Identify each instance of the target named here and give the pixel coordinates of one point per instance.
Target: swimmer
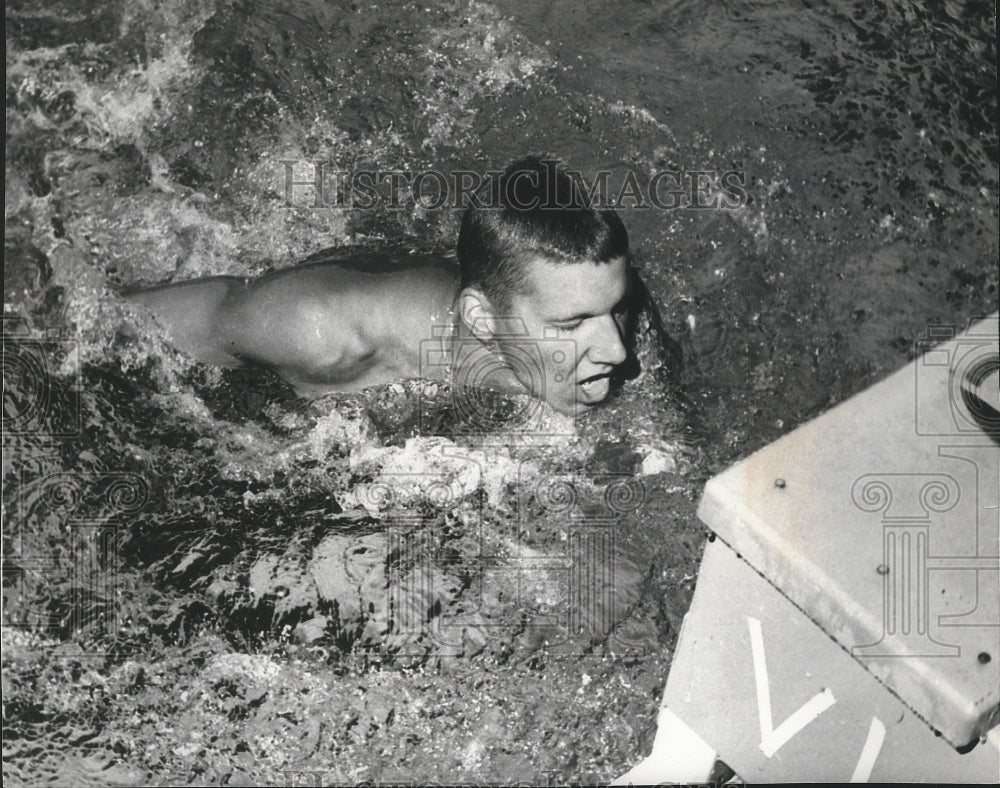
(543, 301)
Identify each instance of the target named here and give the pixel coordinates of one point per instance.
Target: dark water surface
(204, 577)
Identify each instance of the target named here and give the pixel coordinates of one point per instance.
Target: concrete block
(879, 520)
(780, 702)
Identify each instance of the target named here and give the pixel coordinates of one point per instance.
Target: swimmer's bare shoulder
(326, 324)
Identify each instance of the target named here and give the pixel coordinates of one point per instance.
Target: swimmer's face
(573, 314)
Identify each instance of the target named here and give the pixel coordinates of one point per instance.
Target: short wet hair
(532, 209)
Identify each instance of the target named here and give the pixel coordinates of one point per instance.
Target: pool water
(363, 586)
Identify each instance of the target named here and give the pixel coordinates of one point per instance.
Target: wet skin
(344, 325)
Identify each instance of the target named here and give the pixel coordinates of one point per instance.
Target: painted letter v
(771, 738)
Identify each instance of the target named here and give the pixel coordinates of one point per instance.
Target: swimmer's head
(532, 210)
(546, 281)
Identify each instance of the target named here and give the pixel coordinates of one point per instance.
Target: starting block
(846, 622)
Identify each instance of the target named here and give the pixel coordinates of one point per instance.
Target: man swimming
(543, 301)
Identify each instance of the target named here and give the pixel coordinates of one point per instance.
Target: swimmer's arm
(191, 312)
(286, 321)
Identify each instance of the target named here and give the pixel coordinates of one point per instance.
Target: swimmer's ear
(478, 314)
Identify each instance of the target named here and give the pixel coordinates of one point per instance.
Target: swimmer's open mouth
(594, 389)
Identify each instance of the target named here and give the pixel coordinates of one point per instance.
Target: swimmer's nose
(608, 347)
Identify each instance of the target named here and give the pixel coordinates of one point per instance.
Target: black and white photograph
(501, 392)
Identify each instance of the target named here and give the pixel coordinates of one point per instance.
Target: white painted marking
(679, 756)
(773, 739)
(873, 746)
